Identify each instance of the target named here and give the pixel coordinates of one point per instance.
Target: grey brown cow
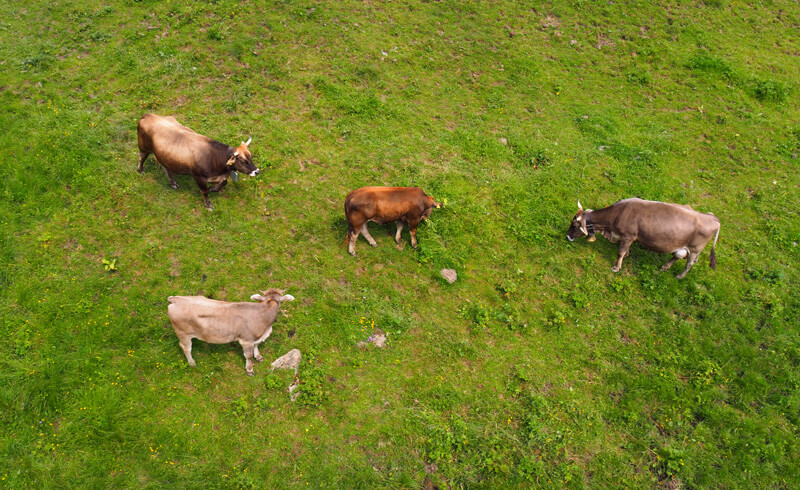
(662, 227)
(220, 322)
(182, 151)
(385, 205)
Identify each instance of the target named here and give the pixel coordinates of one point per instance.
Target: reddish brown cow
(384, 205)
(662, 227)
(181, 151)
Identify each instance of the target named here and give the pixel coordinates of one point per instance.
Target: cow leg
(399, 230)
(690, 261)
(259, 357)
(201, 183)
(669, 263)
(142, 157)
(248, 348)
(412, 228)
(624, 246)
(352, 237)
(186, 345)
(365, 232)
(351, 247)
(171, 179)
(219, 186)
(678, 254)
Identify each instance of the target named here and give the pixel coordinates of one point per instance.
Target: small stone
(504, 141)
(290, 360)
(450, 275)
(378, 339)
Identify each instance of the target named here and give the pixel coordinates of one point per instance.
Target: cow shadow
(186, 185)
(338, 227)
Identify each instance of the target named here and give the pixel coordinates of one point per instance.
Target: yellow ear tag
(232, 159)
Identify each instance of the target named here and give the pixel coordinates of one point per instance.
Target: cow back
(662, 227)
(219, 322)
(179, 148)
(385, 204)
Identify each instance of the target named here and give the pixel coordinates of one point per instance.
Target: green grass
(538, 367)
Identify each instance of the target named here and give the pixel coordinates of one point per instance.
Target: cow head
(272, 294)
(242, 161)
(579, 226)
(429, 205)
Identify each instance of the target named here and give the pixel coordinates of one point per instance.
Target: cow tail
(712, 261)
(349, 233)
(347, 218)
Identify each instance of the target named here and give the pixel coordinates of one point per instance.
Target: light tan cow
(220, 322)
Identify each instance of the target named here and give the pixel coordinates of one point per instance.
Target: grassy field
(538, 367)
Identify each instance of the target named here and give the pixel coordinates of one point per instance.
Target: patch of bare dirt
(551, 21)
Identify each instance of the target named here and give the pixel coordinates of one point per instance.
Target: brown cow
(384, 205)
(660, 226)
(219, 322)
(181, 151)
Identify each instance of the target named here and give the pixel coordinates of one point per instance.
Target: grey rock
(450, 275)
(290, 360)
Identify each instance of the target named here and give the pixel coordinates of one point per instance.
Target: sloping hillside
(537, 367)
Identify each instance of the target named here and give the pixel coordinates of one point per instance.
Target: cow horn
(236, 153)
(248, 141)
(579, 205)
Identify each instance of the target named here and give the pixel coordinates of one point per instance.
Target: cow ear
(257, 297)
(287, 297)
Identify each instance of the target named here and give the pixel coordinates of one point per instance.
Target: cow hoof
(209, 208)
(174, 186)
(614, 269)
(250, 374)
(353, 254)
(373, 244)
(259, 358)
(140, 170)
